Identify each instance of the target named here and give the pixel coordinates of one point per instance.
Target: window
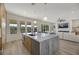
(22, 27)
(13, 27)
(44, 28)
(29, 28)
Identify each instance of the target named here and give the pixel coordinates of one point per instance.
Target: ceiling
(40, 10)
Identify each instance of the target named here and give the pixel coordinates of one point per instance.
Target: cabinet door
(29, 44)
(53, 46)
(35, 47)
(25, 41)
(44, 47)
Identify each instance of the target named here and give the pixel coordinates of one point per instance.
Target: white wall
(75, 23)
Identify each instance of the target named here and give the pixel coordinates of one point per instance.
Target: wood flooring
(65, 48)
(68, 48)
(15, 48)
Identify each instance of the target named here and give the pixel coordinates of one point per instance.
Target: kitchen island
(41, 43)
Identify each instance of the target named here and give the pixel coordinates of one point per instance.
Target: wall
(18, 36)
(0, 30)
(3, 24)
(75, 23)
(0, 19)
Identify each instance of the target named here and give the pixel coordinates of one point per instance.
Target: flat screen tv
(63, 25)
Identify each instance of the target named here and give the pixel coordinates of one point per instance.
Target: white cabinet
(69, 36)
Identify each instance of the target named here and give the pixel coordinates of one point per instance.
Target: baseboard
(69, 40)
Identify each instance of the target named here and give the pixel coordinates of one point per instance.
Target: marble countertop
(42, 36)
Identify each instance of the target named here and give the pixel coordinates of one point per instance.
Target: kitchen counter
(41, 43)
(41, 36)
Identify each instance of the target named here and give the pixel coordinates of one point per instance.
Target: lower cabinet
(46, 47)
(31, 45)
(35, 48)
(27, 43)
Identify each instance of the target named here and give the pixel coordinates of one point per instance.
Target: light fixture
(33, 3)
(22, 25)
(45, 18)
(35, 26)
(3, 23)
(35, 22)
(29, 25)
(14, 25)
(72, 12)
(45, 3)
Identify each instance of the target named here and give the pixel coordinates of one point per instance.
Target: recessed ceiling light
(45, 3)
(33, 3)
(45, 18)
(35, 26)
(35, 22)
(72, 12)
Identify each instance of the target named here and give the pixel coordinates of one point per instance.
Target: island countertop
(41, 36)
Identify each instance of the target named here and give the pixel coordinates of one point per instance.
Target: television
(63, 25)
